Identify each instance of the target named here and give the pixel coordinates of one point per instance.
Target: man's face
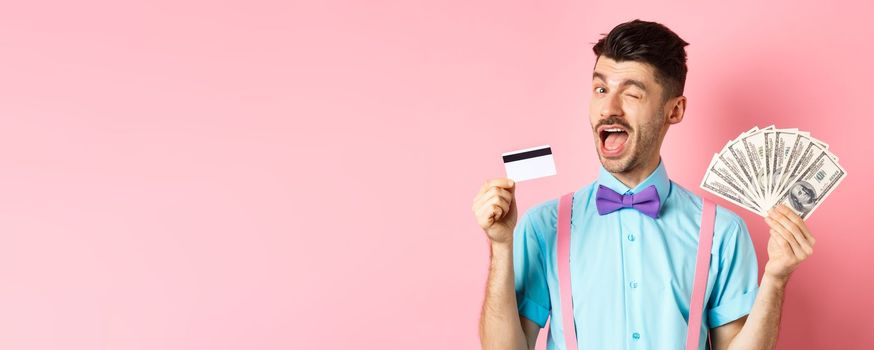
(627, 114)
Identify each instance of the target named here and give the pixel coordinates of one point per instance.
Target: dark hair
(651, 43)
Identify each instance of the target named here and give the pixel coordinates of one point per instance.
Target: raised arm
(790, 244)
(501, 327)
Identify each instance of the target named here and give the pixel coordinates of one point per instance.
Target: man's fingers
(776, 226)
(797, 220)
(491, 193)
(503, 205)
(485, 187)
(494, 207)
(482, 189)
(505, 194)
(500, 182)
(780, 240)
(498, 212)
(791, 226)
(485, 194)
(797, 247)
(486, 212)
(794, 218)
(782, 208)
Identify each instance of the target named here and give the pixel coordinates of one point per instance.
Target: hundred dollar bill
(733, 169)
(738, 151)
(784, 140)
(809, 190)
(821, 144)
(754, 145)
(722, 167)
(718, 182)
(802, 153)
(768, 160)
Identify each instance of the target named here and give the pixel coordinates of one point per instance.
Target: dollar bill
(738, 152)
(807, 192)
(719, 182)
(802, 153)
(768, 160)
(733, 168)
(754, 146)
(764, 167)
(784, 140)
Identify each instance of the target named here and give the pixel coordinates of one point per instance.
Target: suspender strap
(702, 267)
(564, 273)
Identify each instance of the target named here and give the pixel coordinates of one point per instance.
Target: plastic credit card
(529, 163)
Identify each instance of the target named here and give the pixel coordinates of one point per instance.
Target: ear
(677, 110)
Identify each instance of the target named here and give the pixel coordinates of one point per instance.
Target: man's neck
(634, 177)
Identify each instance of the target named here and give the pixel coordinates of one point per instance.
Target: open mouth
(613, 139)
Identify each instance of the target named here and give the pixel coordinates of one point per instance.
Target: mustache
(613, 121)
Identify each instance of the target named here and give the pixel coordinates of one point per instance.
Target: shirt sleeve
(529, 267)
(736, 284)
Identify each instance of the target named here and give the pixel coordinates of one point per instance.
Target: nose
(611, 106)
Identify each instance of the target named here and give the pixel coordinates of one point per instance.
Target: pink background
(274, 175)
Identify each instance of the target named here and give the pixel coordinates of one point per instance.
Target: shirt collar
(658, 178)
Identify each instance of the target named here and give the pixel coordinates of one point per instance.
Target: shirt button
(631, 237)
(633, 284)
(636, 336)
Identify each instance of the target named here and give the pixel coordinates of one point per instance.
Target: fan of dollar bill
(765, 167)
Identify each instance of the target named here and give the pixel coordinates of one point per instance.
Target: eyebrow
(625, 82)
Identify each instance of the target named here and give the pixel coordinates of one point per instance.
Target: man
(632, 274)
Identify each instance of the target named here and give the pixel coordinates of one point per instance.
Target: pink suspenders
(702, 267)
(564, 273)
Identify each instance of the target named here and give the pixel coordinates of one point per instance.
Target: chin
(616, 165)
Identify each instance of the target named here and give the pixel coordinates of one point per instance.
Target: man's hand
(495, 209)
(789, 245)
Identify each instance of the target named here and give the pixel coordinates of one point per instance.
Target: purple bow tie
(646, 201)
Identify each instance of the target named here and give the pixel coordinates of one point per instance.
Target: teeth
(613, 130)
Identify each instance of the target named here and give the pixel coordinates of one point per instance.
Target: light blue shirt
(632, 275)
